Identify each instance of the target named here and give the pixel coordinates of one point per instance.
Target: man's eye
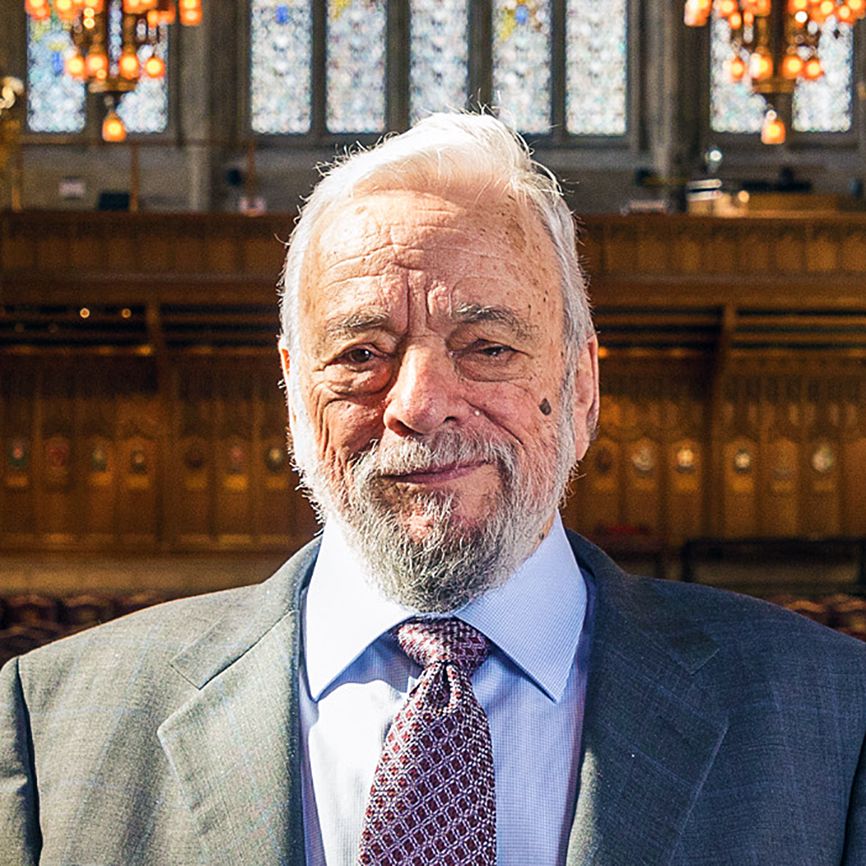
(496, 351)
(358, 356)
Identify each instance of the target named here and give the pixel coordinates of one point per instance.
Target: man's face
(429, 323)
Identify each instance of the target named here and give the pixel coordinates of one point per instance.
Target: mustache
(443, 449)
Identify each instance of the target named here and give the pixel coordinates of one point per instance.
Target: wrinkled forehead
(400, 224)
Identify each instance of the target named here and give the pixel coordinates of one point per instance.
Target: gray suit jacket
(718, 730)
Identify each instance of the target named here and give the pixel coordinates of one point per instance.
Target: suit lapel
(234, 746)
(650, 733)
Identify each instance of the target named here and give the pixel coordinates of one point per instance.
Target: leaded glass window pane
(55, 102)
(145, 110)
(280, 65)
(439, 65)
(357, 38)
(733, 106)
(521, 63)
(596, 70)
(825, 105)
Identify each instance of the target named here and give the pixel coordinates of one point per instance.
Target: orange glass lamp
(113, 128)
(774, 43)
(773, 128)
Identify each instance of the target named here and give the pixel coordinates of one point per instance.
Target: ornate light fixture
(775, 43)
(108, 36)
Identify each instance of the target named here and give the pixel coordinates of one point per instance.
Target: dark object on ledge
(774, 549)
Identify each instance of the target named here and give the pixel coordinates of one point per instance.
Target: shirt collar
(535, 618)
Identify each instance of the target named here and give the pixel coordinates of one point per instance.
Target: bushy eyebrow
(369, 319)
(470, 314)
(374, 318)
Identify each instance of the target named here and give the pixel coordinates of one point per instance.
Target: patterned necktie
(432, 800)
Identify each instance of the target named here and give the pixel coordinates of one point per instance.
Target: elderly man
(446, 676)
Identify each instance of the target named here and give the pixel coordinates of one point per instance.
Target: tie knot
(428, 641)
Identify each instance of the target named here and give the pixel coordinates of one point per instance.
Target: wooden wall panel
(55, 465)
(686, 473)
(715, 419)
(191, 456)
(98, 454)
(595, 500)
(790, 251)
(822, 251)
(17, 494)
(643, 485)
(235, 456)
(279, 512)
(854, 455)
(85, 252)
(139, 422)
(740, 488)
(740, 463)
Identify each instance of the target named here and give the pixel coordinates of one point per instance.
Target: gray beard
(454, 562)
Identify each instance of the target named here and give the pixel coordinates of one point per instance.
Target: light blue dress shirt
(354, 677)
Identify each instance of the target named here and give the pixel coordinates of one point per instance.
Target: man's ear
(283, 347)
(285, 364)
(586, 397)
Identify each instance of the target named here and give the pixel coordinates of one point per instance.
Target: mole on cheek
(544, 405)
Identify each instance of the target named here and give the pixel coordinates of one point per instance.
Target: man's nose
(427, 393)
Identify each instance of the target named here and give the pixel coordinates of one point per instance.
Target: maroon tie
(432, 801)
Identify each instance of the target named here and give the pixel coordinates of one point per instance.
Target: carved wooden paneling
(17, 494)
(732, 400)
(756, 252)
(653, 254)
(740, 464)
(97, 456)
(234, 457)
(643, 479)
(723, 249)
(595, 504)
(790, 251)
(822, 251)
(56, 458)
(820, 504)
(192, 455)
(141, 474)
(854, 455)
(780, 456)
(852, 255)
(687, 250)
(281, 511)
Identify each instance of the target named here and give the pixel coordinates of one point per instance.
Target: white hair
(447, 153)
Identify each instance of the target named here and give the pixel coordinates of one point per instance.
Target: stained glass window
(733, 106)
(819, 106)
(439, 52)
(145, 109)
(356, 50)
(363, 42)
(55, 102)
(521, 63)
(596, 67)
(280, 65)
(825, 105)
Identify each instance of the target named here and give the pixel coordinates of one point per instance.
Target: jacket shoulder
(739, 625)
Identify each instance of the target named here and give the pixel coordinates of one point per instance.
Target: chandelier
(108, 36)
(775, 44)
